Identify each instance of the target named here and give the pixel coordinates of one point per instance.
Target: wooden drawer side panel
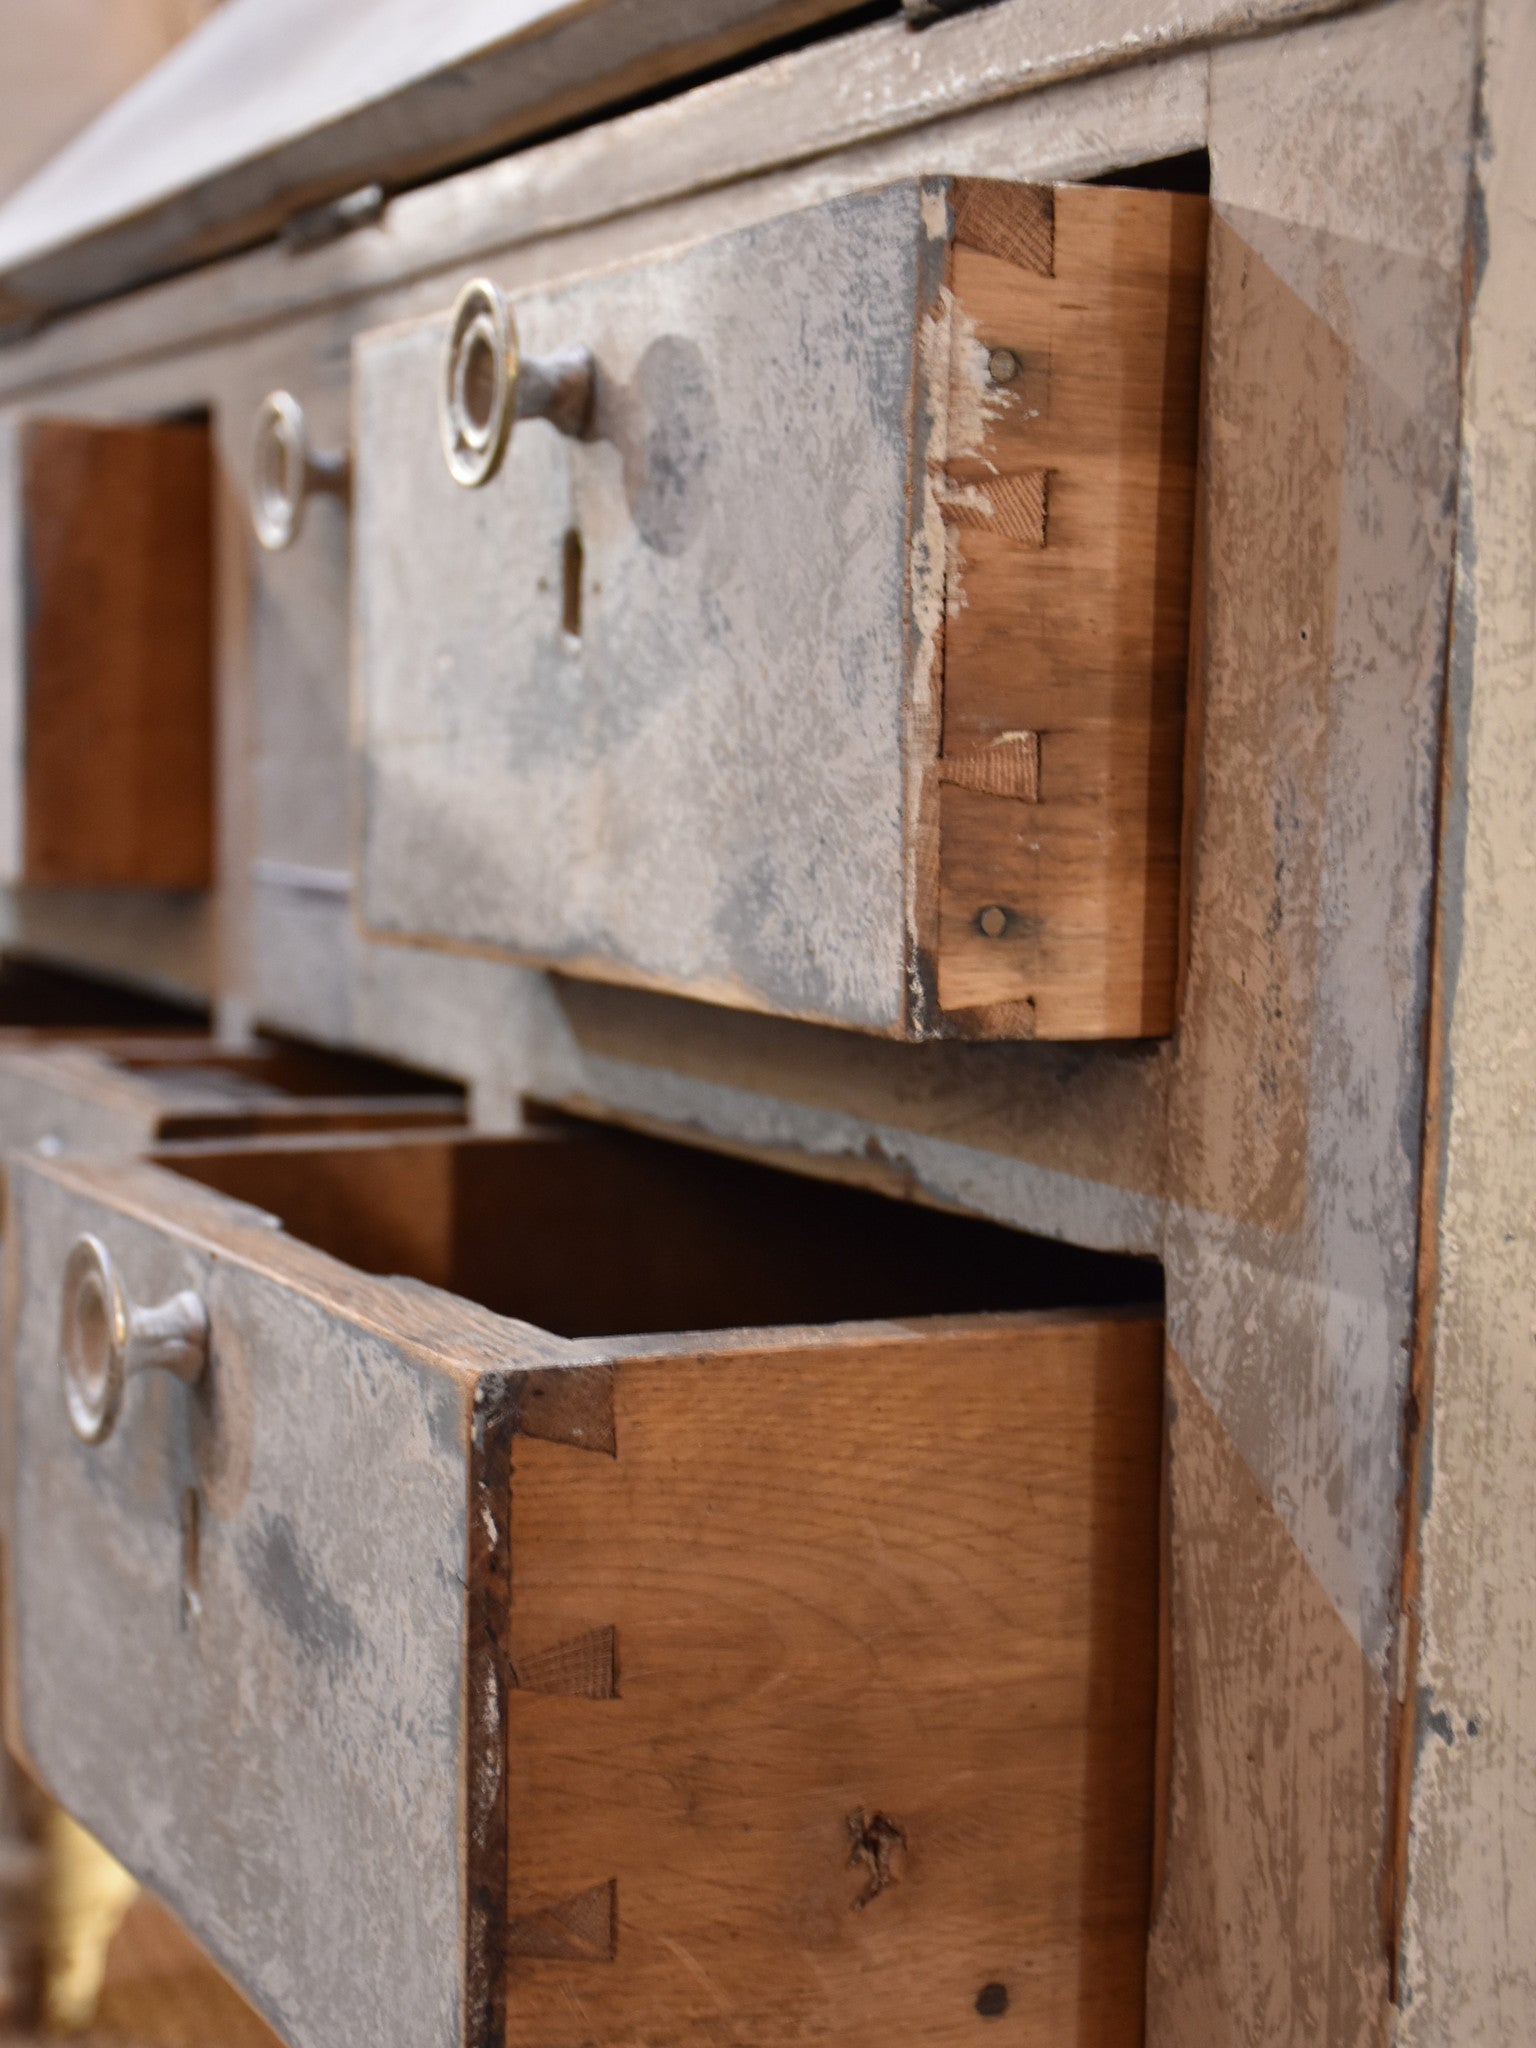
(836, 1696)
(1069, 501)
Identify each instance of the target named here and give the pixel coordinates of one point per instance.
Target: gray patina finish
(707, 786)
(278, 1748)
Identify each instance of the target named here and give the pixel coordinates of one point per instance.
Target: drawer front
(459, 1682)
(835, 665)
(239, 1627)
(106, 654)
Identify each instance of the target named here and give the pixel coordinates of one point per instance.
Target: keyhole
(571, 565)
(477, 391)
(191, 1556)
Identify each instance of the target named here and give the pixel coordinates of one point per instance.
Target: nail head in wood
(993, 921)
(1003, 366)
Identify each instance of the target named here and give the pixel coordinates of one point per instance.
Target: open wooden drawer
(129, 1094)
(829, 659)
(484, 1666)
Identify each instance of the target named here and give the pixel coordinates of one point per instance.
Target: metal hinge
(920, 13)
(317, 225)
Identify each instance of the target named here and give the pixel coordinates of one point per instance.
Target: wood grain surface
(1070, 504)
(877, 1747)
(109, 674)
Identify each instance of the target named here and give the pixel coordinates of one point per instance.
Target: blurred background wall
(61, 61)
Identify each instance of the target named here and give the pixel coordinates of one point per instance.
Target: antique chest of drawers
(478, 1665)
(944, 608)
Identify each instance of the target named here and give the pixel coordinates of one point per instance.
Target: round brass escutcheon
(477, 399)
(286, 470)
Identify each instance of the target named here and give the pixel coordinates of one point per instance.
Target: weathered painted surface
(1297, 1097)
(707, 783)
(1468, 1960)
(268, 1728)
(275, 110)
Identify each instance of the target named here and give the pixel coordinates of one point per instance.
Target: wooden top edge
(447, 1332)
(441, 1331)
(273, 108)
(788, 109)
(890, 1332)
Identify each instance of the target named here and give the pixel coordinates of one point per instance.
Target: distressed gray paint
(1468, 1960)
(709, 786)
(285, 1766)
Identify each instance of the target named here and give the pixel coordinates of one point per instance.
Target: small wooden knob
(104, 1339)
(487, 383)
(286, 471)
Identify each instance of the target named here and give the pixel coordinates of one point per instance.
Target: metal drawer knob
(286, 471)
(487, 383)
(104, 1339)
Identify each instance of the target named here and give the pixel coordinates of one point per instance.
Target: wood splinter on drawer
(874, 716)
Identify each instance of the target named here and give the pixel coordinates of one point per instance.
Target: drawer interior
(279, 1068)
(599, 1233)
(36, 996)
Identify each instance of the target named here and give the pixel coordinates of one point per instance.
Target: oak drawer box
(106, 653)
(462, 1680)
(831, 661)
